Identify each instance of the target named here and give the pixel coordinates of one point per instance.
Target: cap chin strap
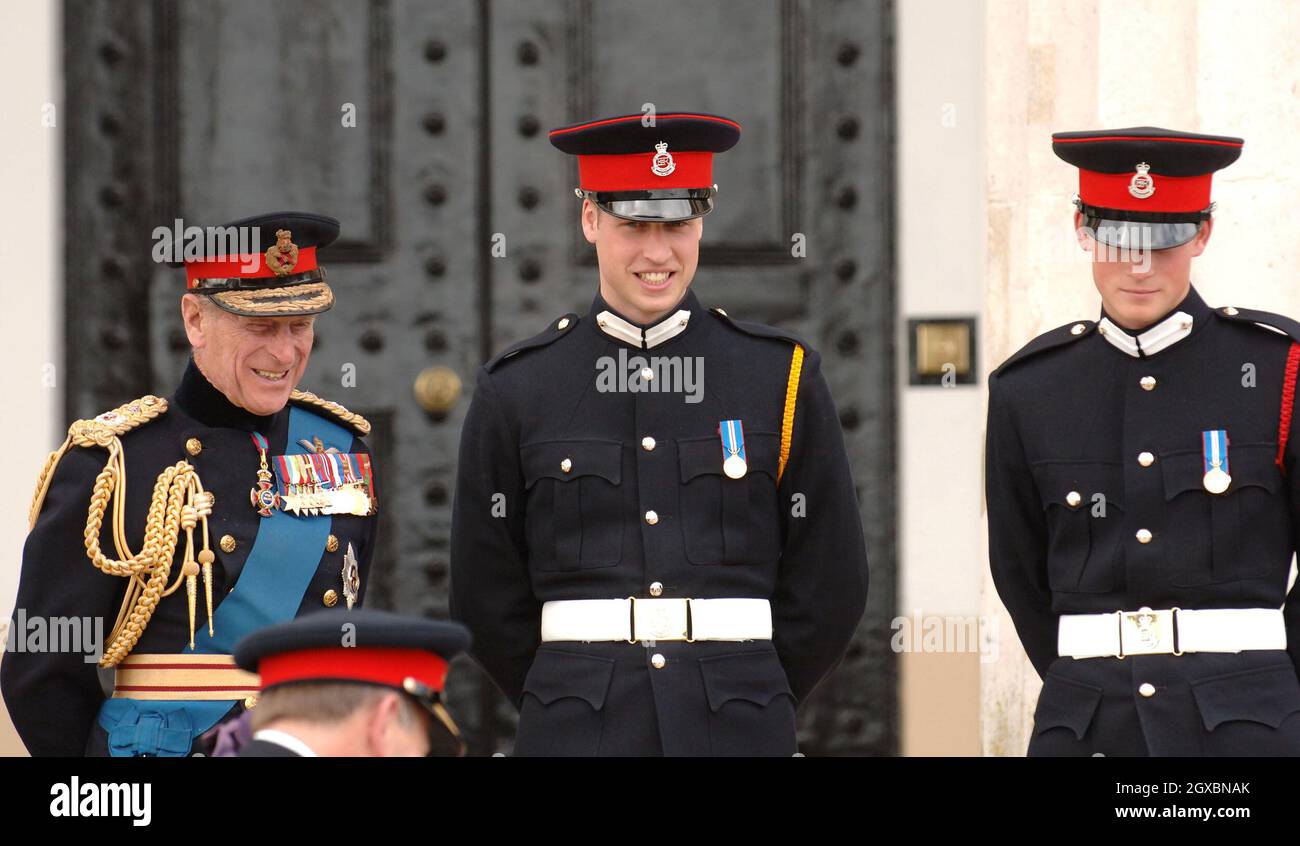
(1140, 216)
(234, 283)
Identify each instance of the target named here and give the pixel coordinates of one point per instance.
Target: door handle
(437, 389)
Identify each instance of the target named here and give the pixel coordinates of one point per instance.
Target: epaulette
(98, 431)
(758, 330)
(558, 327)
(352, 420)
(1277, 322)
(1058, 337)
(101, 431)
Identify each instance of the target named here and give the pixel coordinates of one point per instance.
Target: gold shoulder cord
(787, 418)
(356, 421)
(179, 502)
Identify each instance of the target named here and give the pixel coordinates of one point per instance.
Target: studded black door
(422, 126)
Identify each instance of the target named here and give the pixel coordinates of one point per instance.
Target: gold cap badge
(282, 256)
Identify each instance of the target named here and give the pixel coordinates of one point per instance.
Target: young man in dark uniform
(656, 541)
(1142, 480)
(248, 503)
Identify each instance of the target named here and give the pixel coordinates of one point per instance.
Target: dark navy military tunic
(584, 534)
(53, 698)
(1071, 413)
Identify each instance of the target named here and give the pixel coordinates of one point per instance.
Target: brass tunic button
(194, 446)
(651, 517)
(1147, 689)
(1146, 459)
(658, 661)
(563, 324)
(647, 443)
(331, 598)
(1148, 383)
(1077, 329)
(250, 703)
(227, 543)
(656, 588)
(647, 374)
(331, 544)
(1073, 499)
(1143, 536)
(566, 465)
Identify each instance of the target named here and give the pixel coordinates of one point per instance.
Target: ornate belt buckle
(659, 619)
(1146, 632)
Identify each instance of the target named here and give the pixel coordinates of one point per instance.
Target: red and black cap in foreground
(405, 653)
(657, 173)
(1145, 186)
(281, 278)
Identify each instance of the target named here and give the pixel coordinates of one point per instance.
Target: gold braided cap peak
(355, 421)
(99, 431)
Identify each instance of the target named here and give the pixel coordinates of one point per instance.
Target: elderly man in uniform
(1142, 480)
(651, 566)
(352, 684)
(248, 503)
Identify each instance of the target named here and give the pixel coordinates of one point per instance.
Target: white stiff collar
(1164, 334)
(665, 330)
(288, 741)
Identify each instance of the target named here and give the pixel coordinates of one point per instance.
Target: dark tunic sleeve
(54, 696)
(1291, 466)
(491, 592)
(1017, 533)
(821, 587)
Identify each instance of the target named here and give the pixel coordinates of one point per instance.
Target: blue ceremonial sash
(270, 588)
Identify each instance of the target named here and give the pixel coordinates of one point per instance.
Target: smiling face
(645, 268)
(1137, 289)
(255, 361)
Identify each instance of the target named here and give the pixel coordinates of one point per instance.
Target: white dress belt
(1170, 631)
(634, 619)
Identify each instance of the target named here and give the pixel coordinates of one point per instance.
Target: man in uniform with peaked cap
(192, 520)
(650, 564)
(1142, 482)
(352, 683)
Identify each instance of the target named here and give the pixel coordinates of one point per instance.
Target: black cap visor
(288, 301)
(658, 206)
(1140, 235)
(1133, 230)
(444, 734)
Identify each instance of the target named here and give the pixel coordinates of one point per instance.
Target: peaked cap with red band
(275, 273)
(660, 173)
(405, 653)
(1145, 186)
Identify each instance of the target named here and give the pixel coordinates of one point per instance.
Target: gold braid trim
(296, 299)
(787, 418)
(178, 502)
(358, 423)
(100, 431)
